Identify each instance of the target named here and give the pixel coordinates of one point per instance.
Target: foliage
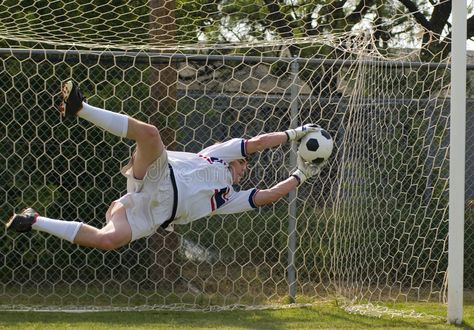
(134, 24)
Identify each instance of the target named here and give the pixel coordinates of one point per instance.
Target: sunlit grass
(324, 315)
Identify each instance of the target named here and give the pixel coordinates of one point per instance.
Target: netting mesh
(373, 226)
(168, 24)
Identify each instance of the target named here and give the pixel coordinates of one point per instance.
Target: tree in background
(244, 20)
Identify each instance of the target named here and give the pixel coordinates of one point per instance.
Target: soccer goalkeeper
(166, 188)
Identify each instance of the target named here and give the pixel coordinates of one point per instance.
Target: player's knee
(108, 242)
(150, 133)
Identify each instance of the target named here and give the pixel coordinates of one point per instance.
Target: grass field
(319, 316)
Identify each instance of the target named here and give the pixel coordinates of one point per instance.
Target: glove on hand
(305, 170)
(298, 133)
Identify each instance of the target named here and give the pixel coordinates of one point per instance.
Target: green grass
(319, 316)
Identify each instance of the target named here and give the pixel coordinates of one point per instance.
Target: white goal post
(457, 164)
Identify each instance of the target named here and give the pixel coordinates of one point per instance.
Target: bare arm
(275, 193)
(270, 140)
(266, 141)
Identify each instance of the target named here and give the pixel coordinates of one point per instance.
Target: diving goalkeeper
(166, 188)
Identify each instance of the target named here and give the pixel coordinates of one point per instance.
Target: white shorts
(148, 202)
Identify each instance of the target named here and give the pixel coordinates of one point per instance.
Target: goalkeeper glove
(305, 170)
(295, 134)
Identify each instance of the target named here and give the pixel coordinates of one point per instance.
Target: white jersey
(204, 182)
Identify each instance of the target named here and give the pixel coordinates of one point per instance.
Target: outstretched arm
(275, 193)
(270, 140)
(303, 172)
(265, 141)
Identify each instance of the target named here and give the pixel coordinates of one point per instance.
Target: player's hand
(298, 133)
(306, 170)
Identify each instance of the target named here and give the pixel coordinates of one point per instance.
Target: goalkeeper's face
(238, 168)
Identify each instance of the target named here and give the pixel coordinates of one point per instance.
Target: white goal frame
(457, 163)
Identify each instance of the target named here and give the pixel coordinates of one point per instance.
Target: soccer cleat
(72, 99)
(22, 222)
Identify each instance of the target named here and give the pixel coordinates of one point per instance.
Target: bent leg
(116, 233)
(149, 145)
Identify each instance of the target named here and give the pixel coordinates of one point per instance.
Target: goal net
(371, 227)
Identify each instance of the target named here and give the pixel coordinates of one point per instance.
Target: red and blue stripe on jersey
(212, 160)
(219, 198)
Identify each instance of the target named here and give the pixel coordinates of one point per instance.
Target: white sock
(112, 122)
(60, 228)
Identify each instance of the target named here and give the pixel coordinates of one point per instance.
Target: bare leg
(116, 233)
(149, 145)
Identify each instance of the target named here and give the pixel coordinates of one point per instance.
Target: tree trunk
(163, 79)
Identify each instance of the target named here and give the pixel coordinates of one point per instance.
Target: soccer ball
(316, 147)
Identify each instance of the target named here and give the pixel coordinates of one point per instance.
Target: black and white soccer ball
(316, 147)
